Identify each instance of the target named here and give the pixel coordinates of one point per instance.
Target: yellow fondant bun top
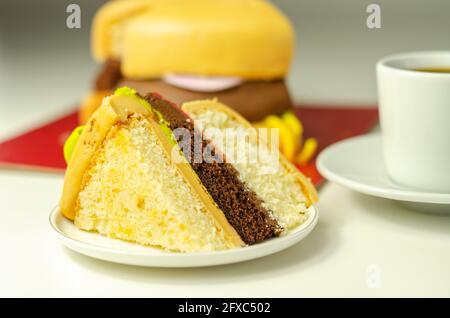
(246, 38)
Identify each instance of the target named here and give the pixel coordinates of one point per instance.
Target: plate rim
(301, 231)
(405, 194)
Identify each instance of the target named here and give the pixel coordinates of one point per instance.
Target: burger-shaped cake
(237, 51)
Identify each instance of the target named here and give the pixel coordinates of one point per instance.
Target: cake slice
(130, 176)
(283, 190)
(242, 207)
(121, 182)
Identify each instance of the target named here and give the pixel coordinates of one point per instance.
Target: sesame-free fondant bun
(246, 38)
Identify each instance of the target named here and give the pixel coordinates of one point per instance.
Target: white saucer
(117, 251)
(357, 163)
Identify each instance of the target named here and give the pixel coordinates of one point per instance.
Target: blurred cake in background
(236, 50)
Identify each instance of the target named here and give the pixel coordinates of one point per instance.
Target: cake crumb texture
(279, 190)
(132, 192)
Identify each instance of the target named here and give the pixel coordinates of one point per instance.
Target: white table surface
(355, 233)
(362, 246)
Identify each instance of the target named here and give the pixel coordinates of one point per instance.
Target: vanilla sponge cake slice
(284, 191)
(121, 182)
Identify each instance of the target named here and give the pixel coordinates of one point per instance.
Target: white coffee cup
(415, 119)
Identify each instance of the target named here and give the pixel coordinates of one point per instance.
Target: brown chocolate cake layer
(109, 76)
(253, 100)
(241, 206)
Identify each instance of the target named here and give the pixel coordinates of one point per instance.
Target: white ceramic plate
(357, 163)
(117, 251)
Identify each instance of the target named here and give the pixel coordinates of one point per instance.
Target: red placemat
(332, 124)
(41, 148)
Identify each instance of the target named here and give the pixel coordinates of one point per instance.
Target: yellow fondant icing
(246, 38)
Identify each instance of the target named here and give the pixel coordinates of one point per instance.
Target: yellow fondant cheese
(246, 38)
